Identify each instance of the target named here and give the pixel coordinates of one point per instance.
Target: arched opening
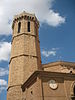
(74, 90)
(19, 27)
(28, 26)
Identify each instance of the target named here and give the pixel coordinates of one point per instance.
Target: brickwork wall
(63, 92)
(63, 67)
(25, 58)
(34, 91)
(14, 93)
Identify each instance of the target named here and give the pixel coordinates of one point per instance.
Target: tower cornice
(22, 55)
(24, 34)
(62, 63)
(26, 16)
(45, 74)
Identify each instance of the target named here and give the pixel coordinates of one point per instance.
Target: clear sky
(56, 32)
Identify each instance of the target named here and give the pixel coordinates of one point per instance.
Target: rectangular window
(19, 27)
(28, 26)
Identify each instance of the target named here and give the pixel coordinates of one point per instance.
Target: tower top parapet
(26, 16)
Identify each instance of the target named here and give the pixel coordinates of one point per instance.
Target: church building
(29, 79)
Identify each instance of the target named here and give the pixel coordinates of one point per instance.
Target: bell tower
(25, 53)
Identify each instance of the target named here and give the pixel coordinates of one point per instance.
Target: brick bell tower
(25, 53)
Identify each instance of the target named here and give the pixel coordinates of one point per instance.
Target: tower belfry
(25, 53)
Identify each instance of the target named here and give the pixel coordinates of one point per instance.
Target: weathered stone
(28, 78)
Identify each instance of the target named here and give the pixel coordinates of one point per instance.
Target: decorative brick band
(13, 86)
(20, 56)
(23, 34)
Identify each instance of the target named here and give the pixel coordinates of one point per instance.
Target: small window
(74, 90)
(28, 26)
(31, 92)
(19, 27)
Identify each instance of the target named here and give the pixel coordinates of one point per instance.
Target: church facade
(29, 79)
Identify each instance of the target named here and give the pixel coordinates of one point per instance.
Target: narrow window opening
(31, 92)
(19, 27)
(28, 26)
(71, 71)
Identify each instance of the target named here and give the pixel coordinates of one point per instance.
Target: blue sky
(56, 33)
